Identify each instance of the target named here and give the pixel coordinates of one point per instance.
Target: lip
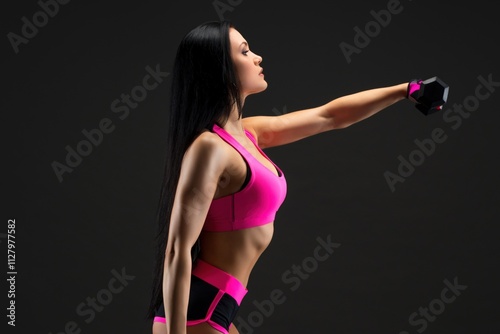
(261, 72)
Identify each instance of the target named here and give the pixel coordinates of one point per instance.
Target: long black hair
(204, 90)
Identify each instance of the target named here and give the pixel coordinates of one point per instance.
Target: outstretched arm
(350, 109)
(336, 114)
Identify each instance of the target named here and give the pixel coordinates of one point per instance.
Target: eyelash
(245, 52)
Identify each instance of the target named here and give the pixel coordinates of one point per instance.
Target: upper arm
(202, 165)
(283, 129)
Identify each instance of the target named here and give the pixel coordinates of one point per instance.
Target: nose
(258, 59)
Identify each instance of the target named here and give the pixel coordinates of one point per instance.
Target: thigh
(159, 328)
(233, 330)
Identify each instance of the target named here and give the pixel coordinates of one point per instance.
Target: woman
(221, 192)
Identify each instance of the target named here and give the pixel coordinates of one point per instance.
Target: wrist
(402, 90)
(412, 89)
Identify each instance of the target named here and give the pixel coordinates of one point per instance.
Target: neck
(234, 124)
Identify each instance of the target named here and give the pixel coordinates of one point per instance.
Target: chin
(263, 87)
(260, 89)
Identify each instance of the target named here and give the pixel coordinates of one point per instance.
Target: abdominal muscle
(236, 252)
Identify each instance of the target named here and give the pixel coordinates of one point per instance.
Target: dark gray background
(396, 248)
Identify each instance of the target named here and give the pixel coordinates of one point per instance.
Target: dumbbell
(429, 95)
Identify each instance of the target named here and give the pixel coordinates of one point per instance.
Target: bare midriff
(236, 252)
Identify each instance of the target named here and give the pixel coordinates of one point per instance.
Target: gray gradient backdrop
(395, 253)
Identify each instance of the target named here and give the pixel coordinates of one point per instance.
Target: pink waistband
(220, 279)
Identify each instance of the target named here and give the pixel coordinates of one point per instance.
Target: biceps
(187, 219)
(290, 127)
(190, 210)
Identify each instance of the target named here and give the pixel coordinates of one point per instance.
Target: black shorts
(214, 297)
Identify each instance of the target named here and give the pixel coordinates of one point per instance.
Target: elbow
(175, 251)
(337, 123)
(170, 255)
(344, 125)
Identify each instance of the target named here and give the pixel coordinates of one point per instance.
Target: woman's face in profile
(247, 65)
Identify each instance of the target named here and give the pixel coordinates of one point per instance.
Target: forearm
(349, 109)
(176, 282)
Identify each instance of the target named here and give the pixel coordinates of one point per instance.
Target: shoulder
(207, 149)
(207, 140)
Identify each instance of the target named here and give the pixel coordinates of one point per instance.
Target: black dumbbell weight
(429, 95)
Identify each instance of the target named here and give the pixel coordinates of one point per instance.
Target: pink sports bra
(254, 205)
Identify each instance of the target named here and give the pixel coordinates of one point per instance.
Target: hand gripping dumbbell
(429, 95)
